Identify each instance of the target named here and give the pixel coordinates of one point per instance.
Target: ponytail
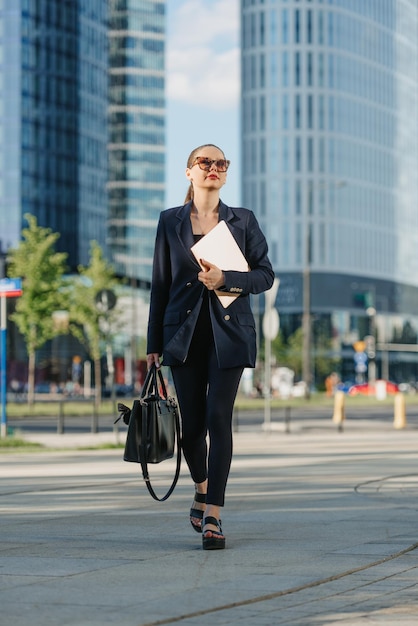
(189, 194)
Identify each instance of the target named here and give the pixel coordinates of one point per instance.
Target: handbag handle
(154, 375)
(151, 382)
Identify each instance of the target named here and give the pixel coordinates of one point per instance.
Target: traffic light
(370, 342)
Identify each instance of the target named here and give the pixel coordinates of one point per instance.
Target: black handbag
(153, 428)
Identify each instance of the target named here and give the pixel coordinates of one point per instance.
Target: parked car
(366, 389)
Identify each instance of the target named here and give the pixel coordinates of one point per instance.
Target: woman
(206, 345)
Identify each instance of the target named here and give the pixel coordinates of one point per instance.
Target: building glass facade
(53, 121)
(137, 133)
(330, 161)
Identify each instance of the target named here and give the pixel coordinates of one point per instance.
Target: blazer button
(188, 284)
(227, 318)
(188, 311)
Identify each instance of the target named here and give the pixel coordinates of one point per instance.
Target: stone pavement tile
(291, 521)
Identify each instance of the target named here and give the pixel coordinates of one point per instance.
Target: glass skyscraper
(137, 133)
(82, 137)
(53, 121)
(330, 165)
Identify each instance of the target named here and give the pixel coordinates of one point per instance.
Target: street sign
(359, 346)
(360, 357)
(105, 300)
(10, 287)
(271, 324)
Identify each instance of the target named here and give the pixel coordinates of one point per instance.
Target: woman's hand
(152, 358)
(212, 277)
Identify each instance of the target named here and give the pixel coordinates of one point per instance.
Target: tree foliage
(41, 269)
(290, 353)
(88, 323)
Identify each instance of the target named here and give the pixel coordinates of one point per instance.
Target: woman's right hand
(152, 358)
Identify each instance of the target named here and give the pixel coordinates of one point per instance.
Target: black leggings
(206, 396)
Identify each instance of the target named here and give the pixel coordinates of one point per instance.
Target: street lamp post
(306, 316)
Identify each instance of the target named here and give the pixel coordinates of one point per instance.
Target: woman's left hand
(212, 277)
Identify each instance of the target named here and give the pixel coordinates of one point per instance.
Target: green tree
(41, 269)
(294, 352)
(88, 322)
(325, 361)
(279, 350)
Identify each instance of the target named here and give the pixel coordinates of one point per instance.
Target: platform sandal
(217, 540)
(197, 513)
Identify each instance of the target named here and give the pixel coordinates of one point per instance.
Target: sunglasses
(205, 164)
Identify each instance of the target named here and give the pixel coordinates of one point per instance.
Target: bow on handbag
(153, 428)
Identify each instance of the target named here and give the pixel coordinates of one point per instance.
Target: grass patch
(53, 408)
(13, 443)
(104, 446)
(85, 408)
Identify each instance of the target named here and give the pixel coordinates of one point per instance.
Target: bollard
(339, 409)
(399, 417)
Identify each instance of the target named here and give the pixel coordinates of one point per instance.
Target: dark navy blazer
(176, 292)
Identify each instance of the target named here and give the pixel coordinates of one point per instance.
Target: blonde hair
(190, 160)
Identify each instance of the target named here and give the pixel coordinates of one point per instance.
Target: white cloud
(203, 53)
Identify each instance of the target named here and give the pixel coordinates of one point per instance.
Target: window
(298, 112)
(285, 197)
(310, 115)
(298, 154)
(273, 27)
(263, 156)
(321, 38)
(310, 154)
(297, 26)
(285, 111)
(262, 28)
(297, 68)
(285, 26)
(285, 69)
(321, 112)
(273, 70)
(262, 113)
(309, 69)
(262, 70)
(298, 197)
(309, 26)
(321, 69)
(285, 154)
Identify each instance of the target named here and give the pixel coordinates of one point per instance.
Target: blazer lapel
(234, 222)
(225, 213)
(184, 230)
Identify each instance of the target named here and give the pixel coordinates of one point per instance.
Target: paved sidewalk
(321, 529)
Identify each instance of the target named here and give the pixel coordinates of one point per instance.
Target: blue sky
(203, 83)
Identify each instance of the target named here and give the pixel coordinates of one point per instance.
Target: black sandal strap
(212, 520)
(200, 497)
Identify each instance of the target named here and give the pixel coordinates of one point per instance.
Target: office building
(82, 142)
(137, 133)
(330, 162)
(53, 121)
